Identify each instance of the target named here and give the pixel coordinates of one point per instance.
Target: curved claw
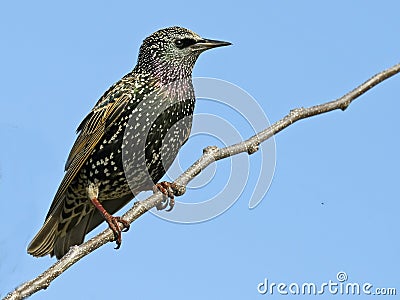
(162, 205)
(111, 220)
(171, 204)
(126, 224)
(168, 189)
(113, 223)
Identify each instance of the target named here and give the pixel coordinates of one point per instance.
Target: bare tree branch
(210, 154)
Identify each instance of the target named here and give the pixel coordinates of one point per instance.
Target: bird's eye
(185, 42)
(179, 44)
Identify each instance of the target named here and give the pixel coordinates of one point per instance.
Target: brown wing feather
(105, 113)
(93, 130)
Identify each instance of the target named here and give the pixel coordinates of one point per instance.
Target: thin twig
(210, 154)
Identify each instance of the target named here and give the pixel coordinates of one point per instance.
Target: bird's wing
(91, 130)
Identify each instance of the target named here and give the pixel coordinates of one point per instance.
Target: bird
(126, 143)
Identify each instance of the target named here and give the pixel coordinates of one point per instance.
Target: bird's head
(171, 53)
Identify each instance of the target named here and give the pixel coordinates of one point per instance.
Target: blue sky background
(58, 59)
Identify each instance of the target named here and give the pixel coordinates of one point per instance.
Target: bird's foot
(113, 222)
(114, 226)
(169, 190)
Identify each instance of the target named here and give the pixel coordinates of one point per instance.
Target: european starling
(127, 142)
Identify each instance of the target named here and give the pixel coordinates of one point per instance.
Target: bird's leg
(170, 190)
(112, 221)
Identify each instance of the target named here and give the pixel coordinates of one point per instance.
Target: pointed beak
(205, 44)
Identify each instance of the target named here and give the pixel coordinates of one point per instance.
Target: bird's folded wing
(91, 131)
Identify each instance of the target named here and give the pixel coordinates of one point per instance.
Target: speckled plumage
(128, 140)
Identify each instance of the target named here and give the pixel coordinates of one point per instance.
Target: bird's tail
(50, 241)
(43, 243)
